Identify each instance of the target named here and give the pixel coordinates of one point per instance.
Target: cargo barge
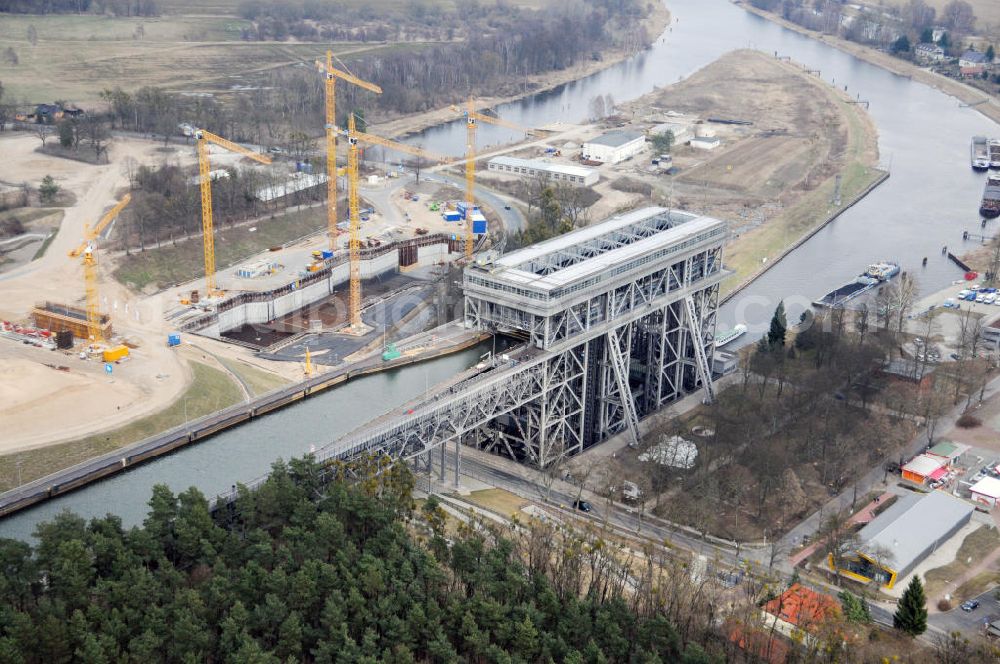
(989, 207)
(980, 153)
(875, 275)
(994, 152)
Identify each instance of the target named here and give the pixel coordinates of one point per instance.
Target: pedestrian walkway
(971, 573)
(863, 515)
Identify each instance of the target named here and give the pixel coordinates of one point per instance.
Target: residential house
(929, 53)
(973, 63)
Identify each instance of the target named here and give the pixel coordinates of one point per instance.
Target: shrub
(943, 605)
(967, 421)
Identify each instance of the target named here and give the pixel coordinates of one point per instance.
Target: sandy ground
(85, 400)
(964, 93)
(762, 168)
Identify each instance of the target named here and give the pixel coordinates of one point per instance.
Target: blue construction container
(173, 340)
(452, 216)
(479, 226)
(327, 254)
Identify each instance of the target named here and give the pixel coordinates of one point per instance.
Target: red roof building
(802, 607)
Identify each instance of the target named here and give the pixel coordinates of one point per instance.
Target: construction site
(376, 262)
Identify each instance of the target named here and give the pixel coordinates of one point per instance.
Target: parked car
(583, 505)
(506, 206)
(970, 605)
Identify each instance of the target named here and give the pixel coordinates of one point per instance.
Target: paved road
(875, 478)
(525, 482)
(968, 622)
(512, 219)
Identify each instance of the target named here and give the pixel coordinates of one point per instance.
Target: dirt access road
(46, 405)
(772, 180)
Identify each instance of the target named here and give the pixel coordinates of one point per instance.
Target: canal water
(924, 135)
(246, 452)
(930, 199)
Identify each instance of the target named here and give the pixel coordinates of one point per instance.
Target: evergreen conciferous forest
(303, 571)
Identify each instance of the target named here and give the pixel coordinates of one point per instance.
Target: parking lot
(969, 622)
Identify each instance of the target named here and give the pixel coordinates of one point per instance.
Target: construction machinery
(88, 249)
(332, 75)
(354, 137)
(204, 171)
(472, 118)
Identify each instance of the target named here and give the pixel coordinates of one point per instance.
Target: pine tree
(855, 608)
(911, 616)
(776, 335)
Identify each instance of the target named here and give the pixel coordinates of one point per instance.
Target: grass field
(210, 390)
(257, 380)
(498, 500)
(170, 265)
(77, 57)
(770, 239)
(976, 546)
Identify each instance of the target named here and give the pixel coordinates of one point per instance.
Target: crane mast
(89, 251)
(331, 74)
(331, 152)
(355, 211)
(470, 175)
(472, 118)
(205, 177)
(354, 137)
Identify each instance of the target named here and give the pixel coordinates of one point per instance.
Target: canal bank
(805, 238)
(986, 104)
(131, 456)
(911, 215)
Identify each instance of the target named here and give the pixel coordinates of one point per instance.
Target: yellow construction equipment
(89, 250)
(353, 138)
(204, 171)
(472, 117)
(332, 75)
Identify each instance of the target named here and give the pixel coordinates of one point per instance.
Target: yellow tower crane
(89, 251)
(204, 171)
(472, 118)
(353, 138)
(332, 75)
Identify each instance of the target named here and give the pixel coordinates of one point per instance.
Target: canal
(246, 452)
(931, 197)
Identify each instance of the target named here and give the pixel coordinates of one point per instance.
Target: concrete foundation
(256, 308)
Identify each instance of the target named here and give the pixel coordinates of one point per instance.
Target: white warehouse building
(614, 146)
(575, 175)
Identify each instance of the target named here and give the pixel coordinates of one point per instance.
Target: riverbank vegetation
(888, 36)
(313, 573)
(806, 417)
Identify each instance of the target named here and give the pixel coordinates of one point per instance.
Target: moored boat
(729, 336)
(874, 275)
(980, 153)
(989, 207)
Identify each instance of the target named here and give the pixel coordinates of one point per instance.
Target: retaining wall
(256, 308)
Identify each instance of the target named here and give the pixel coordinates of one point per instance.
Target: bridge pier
(619, 319)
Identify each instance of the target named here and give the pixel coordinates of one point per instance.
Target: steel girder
(568, 396)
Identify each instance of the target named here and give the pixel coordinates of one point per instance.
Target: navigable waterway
(931, 197)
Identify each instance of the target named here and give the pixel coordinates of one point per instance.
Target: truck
(114, 354)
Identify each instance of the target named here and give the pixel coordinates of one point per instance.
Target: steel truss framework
(596, 369)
